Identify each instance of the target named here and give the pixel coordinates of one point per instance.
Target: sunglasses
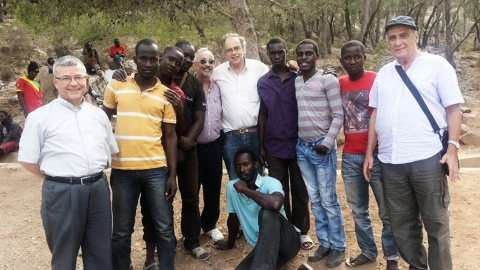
(203, 61)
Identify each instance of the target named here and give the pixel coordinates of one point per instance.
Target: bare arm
(33, 168)
(109, 112)
(21, 101)
(187, 142)
(454, 121)
(262, 121)
(170, 141)
(233, 225)
(272, 202)
(372, 142)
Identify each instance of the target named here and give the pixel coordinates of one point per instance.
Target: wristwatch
(456, 144)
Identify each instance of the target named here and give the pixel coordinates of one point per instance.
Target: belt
(245, 130)
(88, 179)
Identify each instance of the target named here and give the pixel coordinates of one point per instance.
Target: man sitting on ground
(9, 134)
(256, 202)
(117, 53)
(91, 59)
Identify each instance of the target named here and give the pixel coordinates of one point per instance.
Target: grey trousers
(416, 192)
(77, 216)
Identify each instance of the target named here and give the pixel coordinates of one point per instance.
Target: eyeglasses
(234, 49)
(67, 80)
(203, 61)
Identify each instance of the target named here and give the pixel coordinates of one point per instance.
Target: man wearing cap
(28, 90)
(69, 143)
(415, 186)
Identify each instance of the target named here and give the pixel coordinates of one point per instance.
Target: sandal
(200, 254)
(306, 242)
(359, 260)
(153, 266)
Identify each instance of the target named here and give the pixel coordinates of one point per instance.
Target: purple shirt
(277, 99)
(212, 126)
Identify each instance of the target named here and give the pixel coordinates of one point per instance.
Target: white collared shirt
(68, 142)
(403, 131)
(240, 100)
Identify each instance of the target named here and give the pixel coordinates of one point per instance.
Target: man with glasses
(237, 80)
(69, 143)
(209, 146)
(145, 120)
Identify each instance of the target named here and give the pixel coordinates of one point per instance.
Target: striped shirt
(320, 111)
(138, 129)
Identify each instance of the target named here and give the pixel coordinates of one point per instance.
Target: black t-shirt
(194, 99)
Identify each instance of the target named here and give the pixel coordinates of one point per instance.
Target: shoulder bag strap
(419, 98)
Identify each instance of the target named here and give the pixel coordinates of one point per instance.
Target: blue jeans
(119, 61)
(126, 186)
(237, 141)
(356, 189)
(320, 174)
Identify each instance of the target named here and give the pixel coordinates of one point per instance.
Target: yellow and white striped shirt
(139, 124)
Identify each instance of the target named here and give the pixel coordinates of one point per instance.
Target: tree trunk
(427, 29)
(365, 18)
(370, 21)
(448, 34)
(348, 24)
(306, 27)
(437, 28)
(323, 34)
(331, 27)
(377, 30)
(244, 26)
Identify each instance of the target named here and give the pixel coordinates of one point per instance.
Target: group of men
(92, 60)
(169, 124)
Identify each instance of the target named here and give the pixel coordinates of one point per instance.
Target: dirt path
(23, 246)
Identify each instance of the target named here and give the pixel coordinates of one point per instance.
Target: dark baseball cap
(401, 20)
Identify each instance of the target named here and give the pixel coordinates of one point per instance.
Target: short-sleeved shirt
(356, 111)
(247, 209)
(240, 100)
(320, 111)
(194, 99)
(113, 50)
(68, 142)
(404, 133)
(139, 123)
(212, 125)
(32, 96)
(277, 99)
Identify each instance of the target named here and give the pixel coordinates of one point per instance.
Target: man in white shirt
(415, 186)
(237, 80)
(69, 142)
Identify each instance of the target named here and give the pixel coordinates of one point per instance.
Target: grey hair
(68, 61)
(200, 51)
(229, 35)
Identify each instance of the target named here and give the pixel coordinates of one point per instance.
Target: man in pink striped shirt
(320, 117)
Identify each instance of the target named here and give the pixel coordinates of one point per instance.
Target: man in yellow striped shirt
(144, 119)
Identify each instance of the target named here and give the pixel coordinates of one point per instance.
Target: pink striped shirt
(320, 111)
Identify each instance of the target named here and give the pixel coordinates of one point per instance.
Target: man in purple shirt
(209, 146)
(278, 133)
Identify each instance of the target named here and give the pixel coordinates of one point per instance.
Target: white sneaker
(215, 234)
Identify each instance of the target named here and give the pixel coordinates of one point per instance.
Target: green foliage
(379, 58)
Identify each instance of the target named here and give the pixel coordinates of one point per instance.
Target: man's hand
(451, 158)
(240, 186)
(367, 166)
(174, 98)
(171, 188)
(263, 157)
(186, 144)
(120, 75)
(292, 65)
(222, 245)
(320, 149)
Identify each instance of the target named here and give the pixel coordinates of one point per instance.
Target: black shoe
(319, 254)
(336, 258)
(392, 265)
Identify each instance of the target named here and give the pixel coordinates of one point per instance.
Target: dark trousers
(210, 177)
(289, 174)
(187, 172)
(416, 192)
(77, 216)
(278, 242)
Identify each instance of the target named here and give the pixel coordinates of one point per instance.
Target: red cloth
(8, 147)
(179, 91)
(114, 50)
(356, 110)
(32, 95)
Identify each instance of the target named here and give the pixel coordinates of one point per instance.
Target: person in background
(118, 53)
(10, 133)
(28, 90)
(91, 59)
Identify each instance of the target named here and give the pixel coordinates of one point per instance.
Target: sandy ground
(23, 245)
